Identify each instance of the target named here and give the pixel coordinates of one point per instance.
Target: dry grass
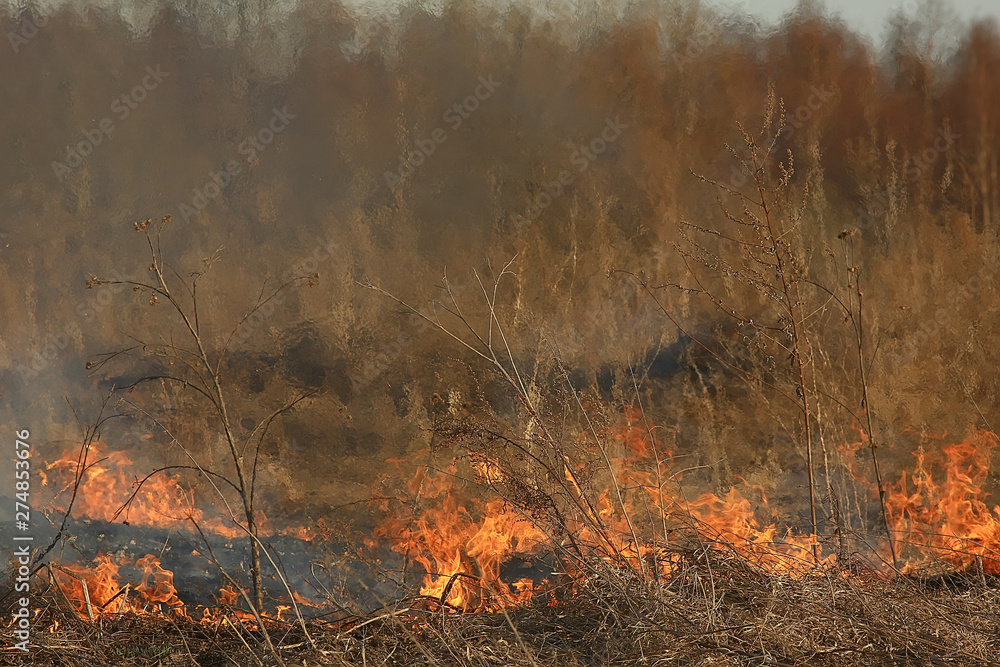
(716, 609)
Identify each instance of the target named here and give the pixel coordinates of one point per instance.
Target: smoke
(397, 143)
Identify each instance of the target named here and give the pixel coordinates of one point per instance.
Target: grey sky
(870, 16)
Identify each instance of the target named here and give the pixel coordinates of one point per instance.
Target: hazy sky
(870, 16)
(867, 16)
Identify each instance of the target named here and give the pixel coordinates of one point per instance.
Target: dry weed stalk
(551, 492)
(761, 251)
(855, 297)
(193, 366)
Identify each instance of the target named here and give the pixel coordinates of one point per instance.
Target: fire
(463, 543)
(948, 520)
(157, 584)
(937, 512)
(228, 596)
(96, 590)
(639, 437)
(108, 483)
(462, 546)
(93, 591)
(732, 523)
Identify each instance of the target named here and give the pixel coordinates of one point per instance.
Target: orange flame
(161, 502)
(108, 482)
(948, 521)
(462, 546)
(96, 585)
(459, 536)
(157, 584)
(639, 436)
(96, 590)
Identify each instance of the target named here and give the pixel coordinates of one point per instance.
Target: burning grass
(562, 530)
(585, 549)
(636, 576)
(717, 608)
(686, 583)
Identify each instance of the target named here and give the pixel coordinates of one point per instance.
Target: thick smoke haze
(397, 147)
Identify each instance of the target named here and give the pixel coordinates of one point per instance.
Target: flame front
(458, 539)
(107, 485)
(96, 590)
(107, 492)
(938, 515)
